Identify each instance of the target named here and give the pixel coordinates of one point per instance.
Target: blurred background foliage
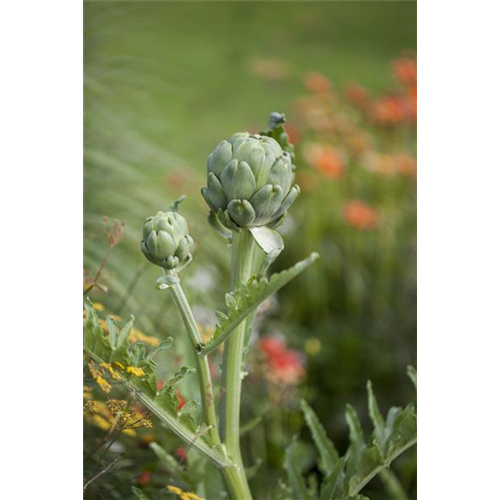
(164, 83)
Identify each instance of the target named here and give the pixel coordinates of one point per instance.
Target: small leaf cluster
(344, 477)
(134, 365)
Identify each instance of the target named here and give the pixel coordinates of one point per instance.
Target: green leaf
(267, 239)
(248, 297)
(276, 130)
(162, 346)
(376, 418)
(330, 483)
(93, 334)
(184, 372)
(367, 467)
(364, 458)
(165, 458)
(326, 448)
(412, 373)
(295, 477)
(163, 405)
(139, 493)
(356, 435)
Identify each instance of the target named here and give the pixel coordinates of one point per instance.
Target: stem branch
(202, 367)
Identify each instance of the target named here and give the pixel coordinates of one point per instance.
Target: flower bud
(249, 181)
(166, 241)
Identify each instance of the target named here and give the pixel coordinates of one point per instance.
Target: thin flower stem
(202, 367)
(242, 256)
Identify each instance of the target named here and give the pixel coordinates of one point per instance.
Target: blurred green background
(164, 83)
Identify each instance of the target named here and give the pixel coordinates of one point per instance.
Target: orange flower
(389, 110)
(405, 70)
(356, 94)
(325, 159)
(317, 83)
(358, 142)
(360, 215)
(405, 164)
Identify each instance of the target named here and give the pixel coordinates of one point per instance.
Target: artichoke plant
(166, 241)
(249, 181)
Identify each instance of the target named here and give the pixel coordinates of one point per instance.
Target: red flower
(285, 366)
(144, 479)
(389, 110)
(181, 453)
(182, 401)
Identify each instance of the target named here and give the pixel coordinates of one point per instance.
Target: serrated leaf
(184, 372)
(93, 334)
(294, 473)
(356, 435)
(376, 418)
(125, 332)
(326, 448)
(189, 407)
(370, 462)
(248, 297)
(162, 346)
(331, 481)
(113, 331)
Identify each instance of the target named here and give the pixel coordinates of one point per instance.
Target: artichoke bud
(166, 241)
(249, 181)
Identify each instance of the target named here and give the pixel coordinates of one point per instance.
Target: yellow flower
(184, 495)
(174, 489)
(101, 422)
(90, 406)
(103, 384)
(87, 392)
(138, 372)
(98, 306)
(138, 336)
(312, 346)
(119, 365)
(112, 372)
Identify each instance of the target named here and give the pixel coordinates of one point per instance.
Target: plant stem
(242, 255)
(393, 485)
(202, 367)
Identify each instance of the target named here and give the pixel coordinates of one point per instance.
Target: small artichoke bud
(166, 241)
(249, 181)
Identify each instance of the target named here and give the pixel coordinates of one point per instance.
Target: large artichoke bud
(249, 181)
(166, 241)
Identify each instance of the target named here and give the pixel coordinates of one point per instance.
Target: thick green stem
(243, 249)
(202, 367)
